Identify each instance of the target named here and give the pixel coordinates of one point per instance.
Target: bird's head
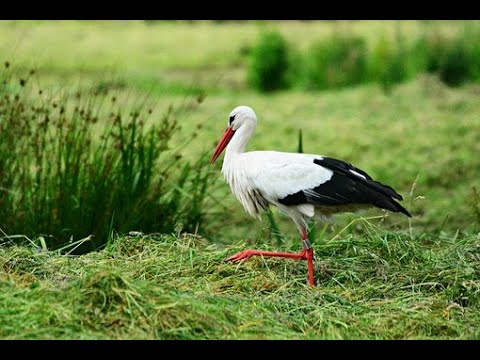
(239, 117)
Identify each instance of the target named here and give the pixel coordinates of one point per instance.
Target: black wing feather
(346, 187)
(344, 168)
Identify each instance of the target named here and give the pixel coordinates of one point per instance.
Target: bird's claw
(241, 256)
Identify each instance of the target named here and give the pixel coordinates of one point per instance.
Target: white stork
(301, 185)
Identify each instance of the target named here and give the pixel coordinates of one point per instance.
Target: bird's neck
(239, 142)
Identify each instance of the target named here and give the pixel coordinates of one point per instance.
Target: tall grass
(77, 163)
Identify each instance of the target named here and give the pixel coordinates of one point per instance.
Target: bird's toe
(243, 255)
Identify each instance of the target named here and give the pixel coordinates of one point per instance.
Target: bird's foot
(241, 256)
(305, 254)
(247, 254)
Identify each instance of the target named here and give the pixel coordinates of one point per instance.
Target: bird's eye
(230, 121)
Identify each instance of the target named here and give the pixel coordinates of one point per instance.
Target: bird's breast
(242, 187)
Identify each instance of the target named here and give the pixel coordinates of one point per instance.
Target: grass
(87, 163)
(383, 286)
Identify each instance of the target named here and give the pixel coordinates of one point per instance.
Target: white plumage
(272, 175)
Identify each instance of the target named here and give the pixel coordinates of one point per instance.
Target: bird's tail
(400, 208)
(388, 200)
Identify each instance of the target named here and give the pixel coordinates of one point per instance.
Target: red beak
(227, 136)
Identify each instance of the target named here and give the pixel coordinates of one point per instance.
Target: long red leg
(307, 247)
(305, 254)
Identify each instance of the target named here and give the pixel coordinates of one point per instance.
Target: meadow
(122, 229)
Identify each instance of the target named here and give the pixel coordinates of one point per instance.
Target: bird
(303, 186)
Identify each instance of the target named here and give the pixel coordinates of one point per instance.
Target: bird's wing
(296, 179)
(348, 185)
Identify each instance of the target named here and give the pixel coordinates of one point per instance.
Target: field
(378, 275)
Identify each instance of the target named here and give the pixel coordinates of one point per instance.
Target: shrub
(456, 60)
(394, 62)
(269, 63)
(456, 66)
(436, 47)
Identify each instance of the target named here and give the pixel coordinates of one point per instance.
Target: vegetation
(343, 59)
(337, 62)
(65, 177)
(383, 286)
(269, 64)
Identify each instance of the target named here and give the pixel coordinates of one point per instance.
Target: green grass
(382, 286)
(82, 163)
